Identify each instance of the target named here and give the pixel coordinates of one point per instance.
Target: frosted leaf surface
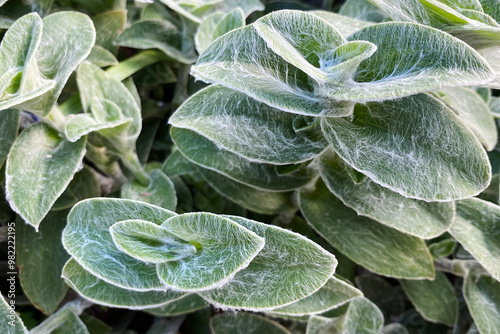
(403, 10)
(101, 57)
(333, 294)
(247, 127)
(149, 242)
(88, 241)
(177, 164)
(95, 86)
(288, 268)
(187, 304)
(207, 154)
(477, 228)
(419, 218)
(261, 201)
(160, 191)
(161, 35)
(241, 60)
(39, 167)
(384, 250)
(423, 59)
(482, 294)
(415, 146)
(435, 300)
(362, 315)
(103, 293)
(5, 312)
(223, 248)
(322, 325)
(474, 113)
(245, 323)
(217, 25)
(362, 10)
(345, 25)
(9, 126)
(108, 27)
(302, 39)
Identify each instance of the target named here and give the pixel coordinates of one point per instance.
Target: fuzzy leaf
(289, 267)
(88, 241)
(345, 25)
(216, 25)
(262, 201)
(162, 35)
(103, 293)
(207, 154)
(435, 300)
(404, 144)
(101, 57)
(9, 126)
(149, 242)
(11, 322)
(245, 323)
(379, 248)
(333, 294)
(362, 316)
(187, 304)
(160, 191)
(482, 294)
(177, 164)
(477, 228)
(39, 168)
(362, 10)
(247, 127)
(224, 248)
(473, 112)
(41, 257)
(108, 26)
(403, 10)
(422, 219)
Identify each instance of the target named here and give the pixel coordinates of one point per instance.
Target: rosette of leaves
(135, 255)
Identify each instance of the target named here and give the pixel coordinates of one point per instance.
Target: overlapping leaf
(217, 25)
(245, 323)
(9, 125)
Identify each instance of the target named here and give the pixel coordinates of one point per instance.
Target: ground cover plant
(247, 166)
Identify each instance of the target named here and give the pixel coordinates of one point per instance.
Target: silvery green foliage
(245, 323)
(11, 323)
(216, 25)
(136, 255)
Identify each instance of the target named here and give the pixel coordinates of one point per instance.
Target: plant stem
(131, 161)
(56, 119)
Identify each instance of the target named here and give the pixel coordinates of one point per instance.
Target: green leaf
(160, 191)
(394, 328)
(482, 294)
(245, 323)
(442, 248)
(302, 39)
(403, 10)
(288, 268)
(476, 227)
(362, 10)
(362, 316)
(11, 323)
(108, 26)
(421, 219)
(261, 201)
(162, 35)
(103, 293)
(209, 155)
(9, 126)
(435, 300)
(241, 60)
(178, 164)
(247, 127)
(415, 138)
(39, 168)
(422, 59)
(224, 248)
(149, 242)
(379, 248)
(88, 240)
(345, 25)
(101, 57)
(473, 112)
(216, 25)
(41, 257)
(187, 304)
(333, 294)
(84, 185)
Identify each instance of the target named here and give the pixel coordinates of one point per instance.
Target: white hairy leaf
(245, 323)
(187, 304)
(345, 25)
(216, 25)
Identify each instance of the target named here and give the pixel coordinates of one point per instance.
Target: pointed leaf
(103, 293)
(41, 257)
(289, 267)
(435, 300)
(207, 154)
(9, 126)
(476, 227)
(379, 248)
(149, 242)
(224, 248)
(245, 323)
(160, 191)
(88, 241)
(39, 168)
(247, 127)
(422, 219)
(415, 139)
(333, 294)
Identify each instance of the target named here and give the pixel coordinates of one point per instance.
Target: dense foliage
(243, 166)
